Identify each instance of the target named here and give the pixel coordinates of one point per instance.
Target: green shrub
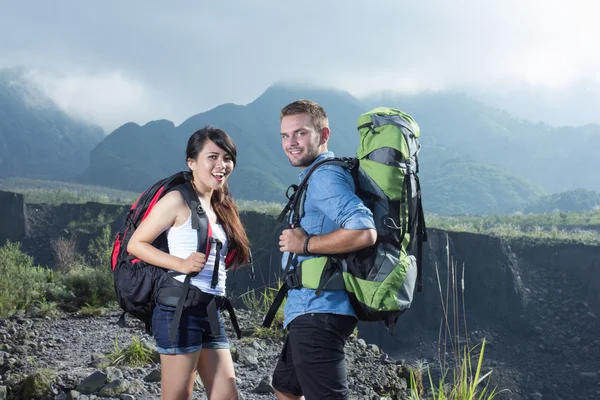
(22, 285)
(89, 286)
(100, 249)
(137, 354)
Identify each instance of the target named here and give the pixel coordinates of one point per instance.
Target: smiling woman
(197, 343)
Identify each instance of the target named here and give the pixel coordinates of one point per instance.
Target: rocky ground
(66, 357)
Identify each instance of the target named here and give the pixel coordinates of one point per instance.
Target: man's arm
(332, 192)
(337, 242)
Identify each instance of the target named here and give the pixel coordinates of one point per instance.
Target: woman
(211, 157)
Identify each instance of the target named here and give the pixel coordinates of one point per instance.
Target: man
(312, 362)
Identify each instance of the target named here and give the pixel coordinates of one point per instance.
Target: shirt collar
(322, 156)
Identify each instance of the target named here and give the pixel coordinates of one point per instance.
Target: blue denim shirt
(330, 204)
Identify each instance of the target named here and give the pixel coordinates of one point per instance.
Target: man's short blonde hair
(319, 117)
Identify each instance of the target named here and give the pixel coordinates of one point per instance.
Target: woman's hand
(193, 264)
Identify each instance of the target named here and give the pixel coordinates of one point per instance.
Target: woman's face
(211, 167)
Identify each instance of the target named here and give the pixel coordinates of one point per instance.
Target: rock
(265, 386)
(73, 395)
(38, 384)
(248, 356)
(536, 396)
(589, 377)
(361, 342)
(3, 393)
(114, 388)
(256, 346)
(374, 348)
(576, 340)
(92, 383)
(136, 386)
(126, 397)
(112, 374)
(153, 376)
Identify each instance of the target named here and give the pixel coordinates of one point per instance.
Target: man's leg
(285, 381)
(317, 345)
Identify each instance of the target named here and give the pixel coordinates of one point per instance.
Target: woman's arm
(169, 209)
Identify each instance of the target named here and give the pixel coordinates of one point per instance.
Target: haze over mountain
(141, 61)
(37, 138)
(475, 158)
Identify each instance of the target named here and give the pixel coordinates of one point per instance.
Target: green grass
(578, 227)
(461, 365)
(260, 206)
(136, 354)
(258, 303)
(37, 191)
(468, 381)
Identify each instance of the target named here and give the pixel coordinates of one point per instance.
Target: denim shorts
(193, 333)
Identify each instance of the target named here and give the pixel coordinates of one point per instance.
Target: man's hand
(193, 264)
(292, 240)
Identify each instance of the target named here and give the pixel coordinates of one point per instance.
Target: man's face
(300, 139)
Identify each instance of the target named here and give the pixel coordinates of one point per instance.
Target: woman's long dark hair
(221, 200)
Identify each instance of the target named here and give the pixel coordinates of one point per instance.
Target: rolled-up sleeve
(332, 192)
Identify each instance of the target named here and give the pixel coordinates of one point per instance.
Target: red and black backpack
(139, 284)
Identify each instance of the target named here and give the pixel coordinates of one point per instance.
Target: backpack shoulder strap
(199, 218)
(300, 194)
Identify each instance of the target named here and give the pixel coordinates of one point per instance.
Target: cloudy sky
(116, 61)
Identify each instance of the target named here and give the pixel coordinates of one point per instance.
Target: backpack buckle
(292, 281)
(200, 209)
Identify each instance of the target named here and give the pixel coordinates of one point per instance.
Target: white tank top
(183, 241)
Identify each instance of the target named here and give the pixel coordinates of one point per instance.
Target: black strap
(288, 206)
(331, 273)
(270, 316)
(212, 313)
(121, 321)
(421, 237)
(215, 275)
(226, 304)
(179, 308)
(200, 224)
(404, 210)
(291, 281)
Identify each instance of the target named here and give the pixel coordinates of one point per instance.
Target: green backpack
(380, 280)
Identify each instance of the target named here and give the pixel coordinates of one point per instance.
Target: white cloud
(106, 98)
(113, 62)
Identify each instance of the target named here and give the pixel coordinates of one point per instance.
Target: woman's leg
(177, 375)
(216, 371)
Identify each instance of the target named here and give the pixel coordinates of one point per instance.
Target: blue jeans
(193, 333)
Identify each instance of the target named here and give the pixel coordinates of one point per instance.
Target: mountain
(573, 200)
(556, 158)
(474, 159)
(133, 157)
(37, 139)
(454, 181)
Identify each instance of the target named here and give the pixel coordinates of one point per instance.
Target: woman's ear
(191, 164)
